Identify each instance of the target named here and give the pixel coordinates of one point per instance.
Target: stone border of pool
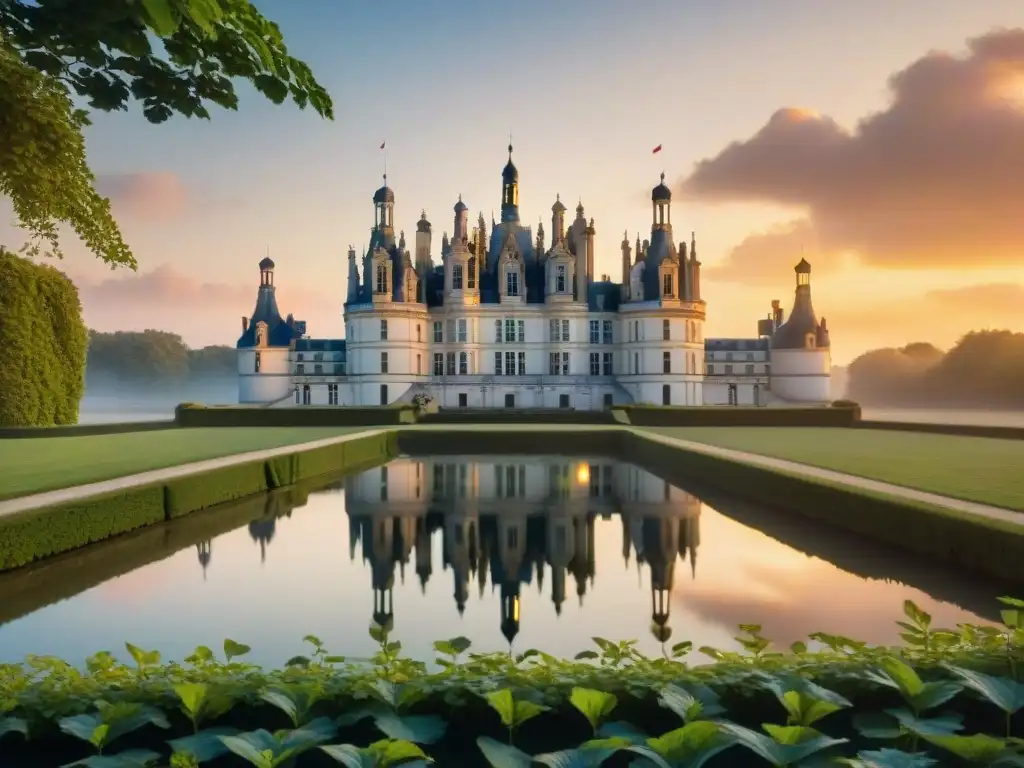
(983, 539)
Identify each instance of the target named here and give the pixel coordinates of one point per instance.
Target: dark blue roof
(320, 345)
(279, 333)
(604, 296)
(735, 345)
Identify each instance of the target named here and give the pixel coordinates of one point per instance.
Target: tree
(102, 52)
(44, 342)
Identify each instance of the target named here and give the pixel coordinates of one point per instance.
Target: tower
(661, 206)
(627, 263)
(590, 233)
(384, 212)
(510, 189)
(353, 276)
(462, 279)
(801, 360)
(557, 221)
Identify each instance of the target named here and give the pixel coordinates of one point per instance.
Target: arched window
(511, 281)
(456, 277)
(382, 278)
(667, 285)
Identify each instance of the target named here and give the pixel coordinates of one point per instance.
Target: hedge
(85, 430)
(727, 416)
(29, 536)
(516, 416)
(538, 442)
(985, 547)
(193, 415)
(963, 430)
(43, 532)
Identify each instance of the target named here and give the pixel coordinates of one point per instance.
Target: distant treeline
(984, 369)
(155, 356)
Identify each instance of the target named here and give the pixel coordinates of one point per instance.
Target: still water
(541, 552)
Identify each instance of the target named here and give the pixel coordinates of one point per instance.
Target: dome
(558, 207)
(461, 206)
(661, 192)
(266, 264)
(423, 225)
(384, 195)
(803, 268)
(510, 173)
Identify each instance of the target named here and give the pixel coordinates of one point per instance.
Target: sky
(881, 141)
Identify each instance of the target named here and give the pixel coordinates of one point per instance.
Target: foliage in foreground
(103, 53)
(44, 341)
(946, 697)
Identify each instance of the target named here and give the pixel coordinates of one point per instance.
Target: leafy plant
(513, 712)
(782, 745)
(111, 721)
(270, 750)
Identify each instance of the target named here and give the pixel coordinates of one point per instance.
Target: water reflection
(492, 549)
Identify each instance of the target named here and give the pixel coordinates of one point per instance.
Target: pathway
(35, 501)
(63, 495)
(830, 476)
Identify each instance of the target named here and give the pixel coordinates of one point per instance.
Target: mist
(108, 399)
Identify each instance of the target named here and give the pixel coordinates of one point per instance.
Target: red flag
(384, 142)
(657, 149)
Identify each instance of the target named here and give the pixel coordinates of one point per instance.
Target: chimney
(245, 324)
(778, 313)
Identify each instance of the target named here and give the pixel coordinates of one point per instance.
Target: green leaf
(503, 703)
(193, 697)
(585, 655)
(503, 755)
(804, 709)
(622, 730)
(595, 705)
(889, 758)
(13, 725)
(258, 747)
(143, 658)
(897, 674)
(233, 650)
(419, 729)
(1004, 692)
(526, 710)
(576, 758)
(943, 725)
(161, 17)
(391, 752)
(877, 725)
(349, 755)
(284, 702)
(784, 745)
(702, 703)
(934, 694)
(977, 748)
(377, 633)
(132, 758)
(85, 727)
(693, 744)
(205, 745)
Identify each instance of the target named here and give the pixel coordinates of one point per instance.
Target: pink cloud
(152, 196)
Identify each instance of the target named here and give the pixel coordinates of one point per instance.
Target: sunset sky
(882, 141)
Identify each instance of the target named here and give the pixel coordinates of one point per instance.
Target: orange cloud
(201, 312)
(764, 258)
(931, 180)
(154, 196)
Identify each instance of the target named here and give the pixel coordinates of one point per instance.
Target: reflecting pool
(527, 552)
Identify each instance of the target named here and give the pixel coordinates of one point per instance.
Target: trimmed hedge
(192, 415)
(30, 536)
(963, 430)
(980, 546)
(85, 430)
(732, 416)
(538, 442)
(516, 416)
(43, 532)
(184, 495)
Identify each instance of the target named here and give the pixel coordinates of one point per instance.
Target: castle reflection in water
(513, 521)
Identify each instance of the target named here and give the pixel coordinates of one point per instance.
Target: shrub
(44, 344)
(845, 404)
(703, 416)
(307, 416)
(34, 535)
(190, 493)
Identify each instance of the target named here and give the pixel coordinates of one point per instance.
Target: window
(510, 401)
(693, 363)
(463, 364)
(450, 363)
(306, 397)
(607, 332)
(450, 331)
(606, 363)
(667, 285)
(438, 364)
(383, 330)
(521, 327)
(510, 331)
(300, 368)
(749, 370)
(383, 394)
(383, 483)
(383, 362)
(522, 363)
(693, 331)
(318, 370)
(560, 278)
(710, 370)
(332, 394)
(595, 364)
(666, 362)
(666, 330)
(510, 363)
(666, 394)
(565, 363)
(297, 357)
(553, 364)
(563, 401)
(471, 276)
(419, 365)
(512, 282)
(456, 277)
(438, 333)
(636, 362)
(497, 363)
(609, 401)
(257, 361)
(497, 331)
(318, 356)
(565, 330)
(462, 331)
(750, 355)
(419, 333)
(636, 330)
(595, 332)
(382, 278)
(728, 369)
(463, 403)
(553, 330)
(296, 395)
(728, 355)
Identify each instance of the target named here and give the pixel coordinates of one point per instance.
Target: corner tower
(801, 355)
(510, 189)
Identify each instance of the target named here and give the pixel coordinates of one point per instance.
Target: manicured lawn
(978, 469)
(47, 463)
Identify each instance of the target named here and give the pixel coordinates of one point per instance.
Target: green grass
(980, 469)
(34, 465)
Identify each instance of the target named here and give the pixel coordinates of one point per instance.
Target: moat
(532, 552)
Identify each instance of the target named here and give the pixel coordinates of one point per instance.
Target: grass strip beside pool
(980, 469)
(47, 464)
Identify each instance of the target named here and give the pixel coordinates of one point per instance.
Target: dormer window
(261, 336)
(512, 282)
(560, 278)
(471, 276)
(810, 341)
(667, 285)
(382, 278)
(456, 277)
